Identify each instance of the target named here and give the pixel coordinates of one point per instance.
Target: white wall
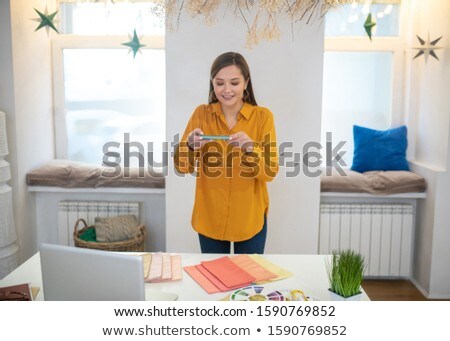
(30, 133)
(287, 78)
(430, 82)
(429, 111)
(440, 267)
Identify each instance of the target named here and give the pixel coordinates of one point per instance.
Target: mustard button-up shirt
(231, 195)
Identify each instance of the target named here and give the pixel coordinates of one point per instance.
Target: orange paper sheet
(217, 283)
(228, 272)
(259, 272)
(279, 271)
(201, 280)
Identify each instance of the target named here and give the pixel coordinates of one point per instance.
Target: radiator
(382, 233)
(70, 211)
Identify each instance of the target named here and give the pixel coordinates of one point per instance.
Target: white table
(309, 275)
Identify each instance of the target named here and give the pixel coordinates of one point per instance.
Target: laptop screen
(78, 274)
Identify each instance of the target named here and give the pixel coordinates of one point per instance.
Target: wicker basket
(136, 243)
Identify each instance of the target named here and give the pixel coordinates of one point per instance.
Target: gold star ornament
(427, 48)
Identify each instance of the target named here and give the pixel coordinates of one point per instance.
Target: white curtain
(8, 237)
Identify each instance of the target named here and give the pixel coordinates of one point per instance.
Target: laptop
(78, 274)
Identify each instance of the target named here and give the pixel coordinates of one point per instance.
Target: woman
(234, 164)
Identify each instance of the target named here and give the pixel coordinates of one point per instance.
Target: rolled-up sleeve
(185, 158)
(264, 157)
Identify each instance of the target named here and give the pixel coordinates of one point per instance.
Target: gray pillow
(115, 229)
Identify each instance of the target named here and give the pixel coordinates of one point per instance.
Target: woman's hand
(241, 140)
(194, 139)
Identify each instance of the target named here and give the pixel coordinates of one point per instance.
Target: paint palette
(260, 293)
(257, 293)
(296, 295)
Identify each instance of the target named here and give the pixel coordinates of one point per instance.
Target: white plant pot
(335, 297)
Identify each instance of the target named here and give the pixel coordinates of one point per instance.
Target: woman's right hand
(194, 141)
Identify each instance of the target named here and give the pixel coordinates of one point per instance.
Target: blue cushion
(383, 150)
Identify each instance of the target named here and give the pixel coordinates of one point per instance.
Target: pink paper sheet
(177, 272)
(171, 270)
(156, 265)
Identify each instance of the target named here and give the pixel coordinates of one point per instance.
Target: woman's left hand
(241, 140)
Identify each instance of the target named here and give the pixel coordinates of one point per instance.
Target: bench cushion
(71, 174)
(373, 182)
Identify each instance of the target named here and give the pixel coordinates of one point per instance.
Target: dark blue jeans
(253, 245)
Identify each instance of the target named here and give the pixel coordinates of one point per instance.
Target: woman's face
(229, 85)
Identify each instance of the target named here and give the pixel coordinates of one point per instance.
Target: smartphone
(214, 137)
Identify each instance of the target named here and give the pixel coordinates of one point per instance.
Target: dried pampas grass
(260, 17)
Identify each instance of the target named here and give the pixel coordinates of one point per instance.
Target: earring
(246, 95)
(212, 96)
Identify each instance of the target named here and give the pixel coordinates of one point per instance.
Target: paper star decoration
(45, 20)
(134, 44)
(369, 25)
(427, 48)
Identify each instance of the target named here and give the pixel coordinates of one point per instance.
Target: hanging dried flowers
(260, 17)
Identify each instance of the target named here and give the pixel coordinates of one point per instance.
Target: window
(102, 93)
(348, 20)
(362, 81)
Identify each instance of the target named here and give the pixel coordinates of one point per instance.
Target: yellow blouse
(231, 196)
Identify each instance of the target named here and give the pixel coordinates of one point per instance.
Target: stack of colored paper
(229, 273)
(161, 267)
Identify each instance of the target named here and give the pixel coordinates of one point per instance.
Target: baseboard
(386, 278)
(419, 287)
(427, 294)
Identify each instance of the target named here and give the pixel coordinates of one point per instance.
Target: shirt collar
(246, 110)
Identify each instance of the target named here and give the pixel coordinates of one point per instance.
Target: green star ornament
(45, 20)
(369, 25)
(134, 44)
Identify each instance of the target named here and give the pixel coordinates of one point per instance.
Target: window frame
(61, 42)
(397, 46)
(394, 45)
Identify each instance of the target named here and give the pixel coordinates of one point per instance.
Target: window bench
(64, 191)
(373, 214)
